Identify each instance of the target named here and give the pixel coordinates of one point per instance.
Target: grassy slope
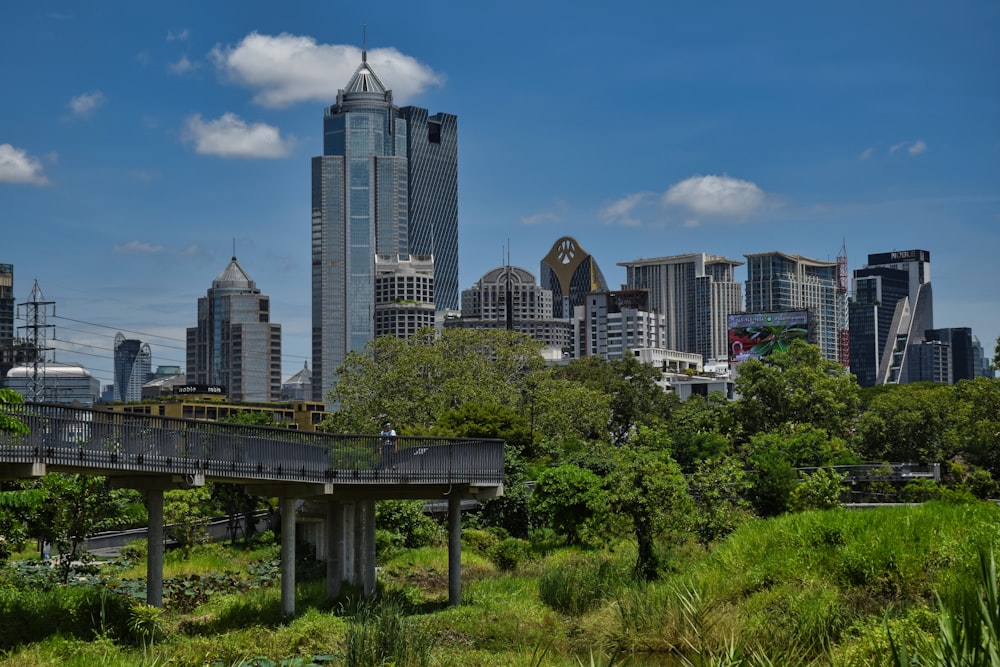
(816, 585)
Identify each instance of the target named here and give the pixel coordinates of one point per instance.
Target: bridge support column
(364, 546)
(454, 551)
(335, 547)
(287, 556)
(154, 553)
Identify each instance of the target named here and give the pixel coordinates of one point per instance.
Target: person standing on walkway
(387, 438)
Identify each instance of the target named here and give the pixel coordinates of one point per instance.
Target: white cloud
(232, 137)
(139, 247)
(182, 66)
(16, 166)
(895, 147)
(539, 218)
(866, 154)
(716, 196)
(287, 69)
(621, 211)
(917, 147)
(180, 36)
(87, 103)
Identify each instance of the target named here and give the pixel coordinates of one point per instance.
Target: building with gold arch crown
(571, 273)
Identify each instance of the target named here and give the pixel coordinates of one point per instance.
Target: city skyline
(141, 143)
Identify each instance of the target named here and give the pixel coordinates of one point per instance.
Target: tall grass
(380, 634)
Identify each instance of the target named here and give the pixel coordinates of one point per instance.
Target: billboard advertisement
(756, 335)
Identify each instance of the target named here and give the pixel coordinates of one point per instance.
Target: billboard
(756, 335)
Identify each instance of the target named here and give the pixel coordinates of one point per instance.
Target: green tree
(719, 489)
(16, 502)
(794, 387)
(820, 490)
(698, 430)
(186, 518)
(568, 499)
(415, 381)
(76, 507)
(975, 420)
(909, 422)
(648, 489)
(634, 397)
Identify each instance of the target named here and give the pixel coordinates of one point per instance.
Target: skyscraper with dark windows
(133, 368)
(891, 309)
(235, 344)
(386, 184)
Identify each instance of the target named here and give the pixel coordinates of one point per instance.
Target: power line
(105, 326)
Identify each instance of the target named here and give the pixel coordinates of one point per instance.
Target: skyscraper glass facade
(386, 184)
(776, 281)
(235, 345)
(6, 319)
(133, 367)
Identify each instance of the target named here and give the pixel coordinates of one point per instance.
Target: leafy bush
(407, 518)
(508, 554)
(819, 491)
(481, 540)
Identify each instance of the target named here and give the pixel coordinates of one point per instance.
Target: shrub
(480, 540)
(508, 554)
(407, 518)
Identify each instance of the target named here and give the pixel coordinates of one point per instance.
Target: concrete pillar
(334, 548)
(364, 546)
(287, 556)
(154, 550)
(454, 551)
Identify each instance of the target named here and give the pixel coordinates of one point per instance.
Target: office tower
(386, 184)
(404, 294)
(777, 281)
(6, 320)
(235, 345)
(571, 273)
(432, 154)
(133, 368)
(485, 306)
(892, 304)
(620, 322)
(695, 293)
(963, 351)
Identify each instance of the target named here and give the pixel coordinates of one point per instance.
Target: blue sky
(138, 140)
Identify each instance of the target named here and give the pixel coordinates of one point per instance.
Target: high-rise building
(777, 281)
(571, 273)
(404, 294)
(6, 320)
(964, 364)
(507, 297)
(695, 293)
(235, 345)
(386, 184)
(618, 322)
(133, 368)
(892, 307)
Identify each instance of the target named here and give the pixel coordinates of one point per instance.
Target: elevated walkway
(343, 474)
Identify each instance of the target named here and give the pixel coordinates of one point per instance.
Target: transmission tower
(36, 315)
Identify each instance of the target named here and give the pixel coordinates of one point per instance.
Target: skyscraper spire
(364, 43)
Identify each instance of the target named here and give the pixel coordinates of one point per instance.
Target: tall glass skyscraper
(133, 366)
(386, 184)
(235, 344)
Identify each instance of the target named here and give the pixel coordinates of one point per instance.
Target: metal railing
(104, 442)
